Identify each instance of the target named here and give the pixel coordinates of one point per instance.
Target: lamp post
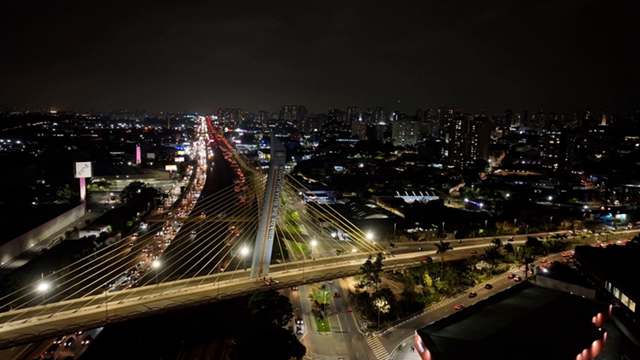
(370, 236)
(314, 244)
(42, 288)
(156, 265)
(244, 252)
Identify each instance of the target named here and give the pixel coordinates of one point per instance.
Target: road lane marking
(379, 351)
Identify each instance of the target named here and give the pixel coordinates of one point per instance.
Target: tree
(371, 272)
(491, 255)
(441, 248)
(281, 343)
(64, 194)
(270, 307)
(131, 191)
(509, 248)
(382, 306)
(321, 297)
(427, 281)
(526, 257)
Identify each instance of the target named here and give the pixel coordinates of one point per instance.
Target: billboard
(83, 169)
(179, 159)
(151, 156)
(171, 168)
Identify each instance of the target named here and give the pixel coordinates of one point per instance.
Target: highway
(24, 325)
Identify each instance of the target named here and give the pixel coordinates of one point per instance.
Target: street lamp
(43, 287)
(156, 264)
(314, 243)
(549, 198)
(244, 251)
(370, 235)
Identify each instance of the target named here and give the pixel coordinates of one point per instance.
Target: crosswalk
(378, 349)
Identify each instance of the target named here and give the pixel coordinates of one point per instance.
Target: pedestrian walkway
(377, 348)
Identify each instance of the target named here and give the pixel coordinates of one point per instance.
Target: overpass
(59, 318)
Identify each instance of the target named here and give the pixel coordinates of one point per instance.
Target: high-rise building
(293, 114)
(313, 123)
(379, 116)
(353, 114)
(359, 130)
(552, 148)
(405, 132)
(466, 138)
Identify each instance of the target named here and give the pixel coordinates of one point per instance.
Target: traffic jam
(73, 345)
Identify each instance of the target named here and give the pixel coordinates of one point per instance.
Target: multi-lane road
(49, 320)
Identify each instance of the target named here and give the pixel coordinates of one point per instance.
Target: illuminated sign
(83, 169)
(171, 168)
(178, 159)
(180, 152)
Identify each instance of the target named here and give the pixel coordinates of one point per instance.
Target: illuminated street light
(466, 200)
(354, 250)
(244, 251)
(314, 243)
(156, 264)
(43, 286)
(481, 205)
(549, 198)
(370, 235)
(507, 195)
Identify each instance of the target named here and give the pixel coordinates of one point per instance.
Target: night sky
(197, 56)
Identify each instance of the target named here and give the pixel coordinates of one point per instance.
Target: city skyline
(199, 57)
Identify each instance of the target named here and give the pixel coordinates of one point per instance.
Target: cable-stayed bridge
(251, 235)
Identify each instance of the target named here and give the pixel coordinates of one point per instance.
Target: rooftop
(528, 322)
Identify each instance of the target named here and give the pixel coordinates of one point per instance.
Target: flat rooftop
(529, 322)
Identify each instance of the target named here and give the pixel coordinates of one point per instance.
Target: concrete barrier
(37, 235)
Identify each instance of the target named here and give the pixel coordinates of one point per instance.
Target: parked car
(472, 295)
(488, 286)
(458, 307)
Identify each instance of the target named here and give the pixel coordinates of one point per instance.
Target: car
(472, 295)
(488, 286)
(86, 340)
(458, 307)
(511, 276)
(336, 295)
(517, 279)
(294, 288)
(58, 340)
(298, 330)
(349, 310)
(69, 343)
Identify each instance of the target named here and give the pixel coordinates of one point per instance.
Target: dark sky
(560, 55)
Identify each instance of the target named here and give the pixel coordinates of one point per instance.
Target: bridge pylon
(269, 213)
